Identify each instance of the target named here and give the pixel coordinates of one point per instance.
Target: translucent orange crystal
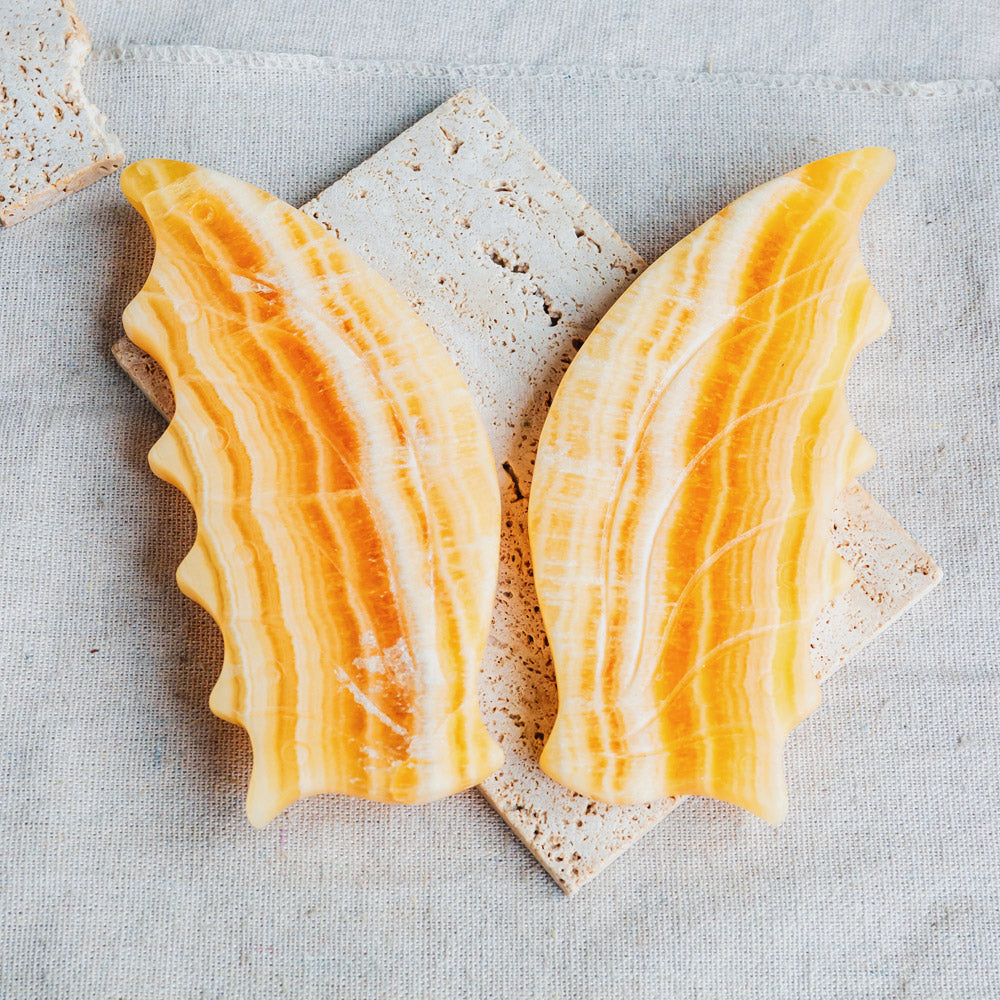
(347, 500)
(681, 500)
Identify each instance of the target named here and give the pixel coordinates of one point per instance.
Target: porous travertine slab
(146, 374)
(513, 269)
(52, 139)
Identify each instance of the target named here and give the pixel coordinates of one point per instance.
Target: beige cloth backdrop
(128, 868)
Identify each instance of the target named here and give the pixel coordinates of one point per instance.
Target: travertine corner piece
(512, 269)
(52, 139)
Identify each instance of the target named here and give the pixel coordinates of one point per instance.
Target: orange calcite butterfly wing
(681, 500)
(347, 501)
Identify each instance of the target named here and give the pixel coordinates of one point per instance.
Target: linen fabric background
(128, 867)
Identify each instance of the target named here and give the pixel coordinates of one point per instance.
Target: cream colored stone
(53, 141)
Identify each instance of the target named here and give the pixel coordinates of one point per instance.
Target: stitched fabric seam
(196, 55)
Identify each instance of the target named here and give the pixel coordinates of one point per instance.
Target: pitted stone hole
(451, 144)
(581, 234)
(507, 263)
(547, 306)
(630, 269)
(515, 482)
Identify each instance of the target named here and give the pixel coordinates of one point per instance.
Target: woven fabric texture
(129, 869)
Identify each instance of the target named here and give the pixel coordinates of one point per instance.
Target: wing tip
(263, 807)
(141, 178)
(878, 158)
(867, 168)
(878, 161)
